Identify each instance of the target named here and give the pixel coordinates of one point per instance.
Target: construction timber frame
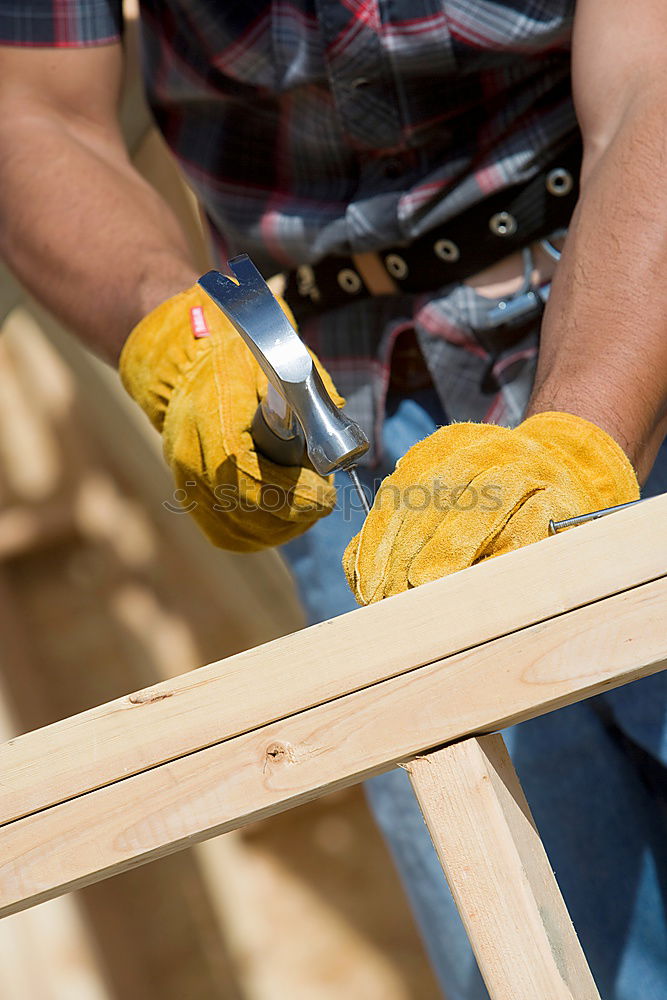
(419, 680)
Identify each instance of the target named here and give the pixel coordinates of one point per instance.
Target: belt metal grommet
(559, 182)
(446, 250)
(349, 281)
(305, 283)
(396, 266)
(503, 224)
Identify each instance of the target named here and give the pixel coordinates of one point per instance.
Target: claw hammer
(297, 417)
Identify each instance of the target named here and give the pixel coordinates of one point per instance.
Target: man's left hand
(472, 491)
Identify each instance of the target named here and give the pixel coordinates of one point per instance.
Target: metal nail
(572, 522)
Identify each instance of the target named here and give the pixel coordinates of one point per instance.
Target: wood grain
(329, 661)
(282, 764)
(499, 873)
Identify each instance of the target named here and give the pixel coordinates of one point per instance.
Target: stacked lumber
(249, 736)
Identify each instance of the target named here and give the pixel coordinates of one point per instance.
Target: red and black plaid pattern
(59, 23)
(316, 127)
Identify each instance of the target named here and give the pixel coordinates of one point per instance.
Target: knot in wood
(148, 696)
(277, 752)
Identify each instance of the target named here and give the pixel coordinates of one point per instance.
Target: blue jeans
(594, 774)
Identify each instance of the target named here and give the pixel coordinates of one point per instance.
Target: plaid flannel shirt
(316, 127)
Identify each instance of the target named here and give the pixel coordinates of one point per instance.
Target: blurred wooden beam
(23, 529)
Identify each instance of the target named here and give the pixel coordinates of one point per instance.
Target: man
(402, 163)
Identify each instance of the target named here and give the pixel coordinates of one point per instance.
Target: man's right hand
(100, 248)
(199, 384)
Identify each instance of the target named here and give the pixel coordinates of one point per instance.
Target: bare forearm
(84, 232)
(604, 339)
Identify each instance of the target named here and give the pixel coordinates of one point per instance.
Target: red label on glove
(198, 322)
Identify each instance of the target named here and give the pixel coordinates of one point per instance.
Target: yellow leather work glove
(471, 491)
(191, 372)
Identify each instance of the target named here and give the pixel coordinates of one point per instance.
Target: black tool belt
(488, 231)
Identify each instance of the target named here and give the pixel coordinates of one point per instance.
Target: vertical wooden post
(499, 873)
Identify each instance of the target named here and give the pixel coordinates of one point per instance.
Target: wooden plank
(222, 787)
(331, 660)
(499, 873)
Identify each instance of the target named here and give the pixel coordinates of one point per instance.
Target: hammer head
(299, 412)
